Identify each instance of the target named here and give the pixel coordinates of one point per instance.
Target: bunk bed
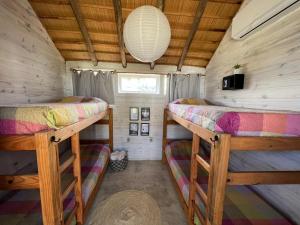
(61, 188)
(201, 170)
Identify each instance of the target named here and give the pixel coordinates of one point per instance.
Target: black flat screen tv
(233, 82)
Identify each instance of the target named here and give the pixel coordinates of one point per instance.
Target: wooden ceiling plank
(84, 31)
(119, 24)
(199, 13)
(128, 10)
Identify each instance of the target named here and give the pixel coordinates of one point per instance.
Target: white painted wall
(139, 147)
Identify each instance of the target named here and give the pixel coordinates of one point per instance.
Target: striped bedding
(32, 118)
(238, 121)
(242, 206)
(93, 160)
(22, 207)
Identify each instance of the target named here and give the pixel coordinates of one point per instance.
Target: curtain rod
(158, 73)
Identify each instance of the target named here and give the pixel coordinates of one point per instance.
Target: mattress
(93, 160)
(22, 207)
(239, 121)
(242, 206)
(32, 118)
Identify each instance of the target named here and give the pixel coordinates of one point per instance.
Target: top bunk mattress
(32, 118)
(238, 121)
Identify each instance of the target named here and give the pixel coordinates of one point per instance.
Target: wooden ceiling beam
(161, 6)
(115, 53)
(61, 21)
(119, 24)
(67, 41)
(199, 13)
(99, 43)
(84, 31)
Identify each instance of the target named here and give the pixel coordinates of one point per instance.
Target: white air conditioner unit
(258, 13)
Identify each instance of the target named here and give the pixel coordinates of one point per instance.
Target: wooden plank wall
(31, 68)
(271, 59)
(272, 66)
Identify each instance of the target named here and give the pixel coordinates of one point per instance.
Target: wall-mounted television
(233, 82)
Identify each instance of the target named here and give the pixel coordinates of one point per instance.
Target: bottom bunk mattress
(22, 207)
(242, 206)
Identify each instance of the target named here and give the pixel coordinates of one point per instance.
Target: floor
(151, 177)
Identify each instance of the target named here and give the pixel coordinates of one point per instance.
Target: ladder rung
(201, 193)
(67, 163)
(203, 163)
(71, 215)
(199, 214)
(69, 189)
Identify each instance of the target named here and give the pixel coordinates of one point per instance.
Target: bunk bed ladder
(217, 176)
(75, 184)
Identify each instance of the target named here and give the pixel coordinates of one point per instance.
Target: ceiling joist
(119, 24)
(161, 6)
(84, 31)
(199, 13)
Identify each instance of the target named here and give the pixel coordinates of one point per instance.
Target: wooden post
(164, 139)
(161, 4)
(195, 25)
(48, 170)
(217, 180)
(110, 128)
(119, 24)
(75, 142)
(193, 177)
(84, 31)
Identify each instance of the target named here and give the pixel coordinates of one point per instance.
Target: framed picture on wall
(133, 129)
(145, 129)
(145, 113)
(133, 113)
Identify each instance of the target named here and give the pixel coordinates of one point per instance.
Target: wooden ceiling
(92, 29)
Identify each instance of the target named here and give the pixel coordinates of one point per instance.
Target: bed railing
(48, 179)
(217, 168)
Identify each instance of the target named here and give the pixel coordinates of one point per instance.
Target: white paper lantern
(147, 33)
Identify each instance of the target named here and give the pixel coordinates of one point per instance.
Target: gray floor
(151, 177)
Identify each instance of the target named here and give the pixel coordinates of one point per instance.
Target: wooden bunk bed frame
(48, 179)
(217, 168)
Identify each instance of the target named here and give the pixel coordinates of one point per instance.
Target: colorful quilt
(32, 118)
(22, 207)
(93, 160)
(239, 121)
(242, 206)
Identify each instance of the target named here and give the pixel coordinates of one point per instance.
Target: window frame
(160, 88)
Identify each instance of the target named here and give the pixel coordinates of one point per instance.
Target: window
(135, 83)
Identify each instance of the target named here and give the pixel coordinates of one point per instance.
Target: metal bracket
(214, 140)
(53, 139)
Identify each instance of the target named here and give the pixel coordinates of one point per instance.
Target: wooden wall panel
(272, 65)
(31, 68)
(271, 60)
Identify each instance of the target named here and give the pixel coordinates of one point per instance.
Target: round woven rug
(129, 208)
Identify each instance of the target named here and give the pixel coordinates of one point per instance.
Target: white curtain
(95, 84)
(183, 86)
